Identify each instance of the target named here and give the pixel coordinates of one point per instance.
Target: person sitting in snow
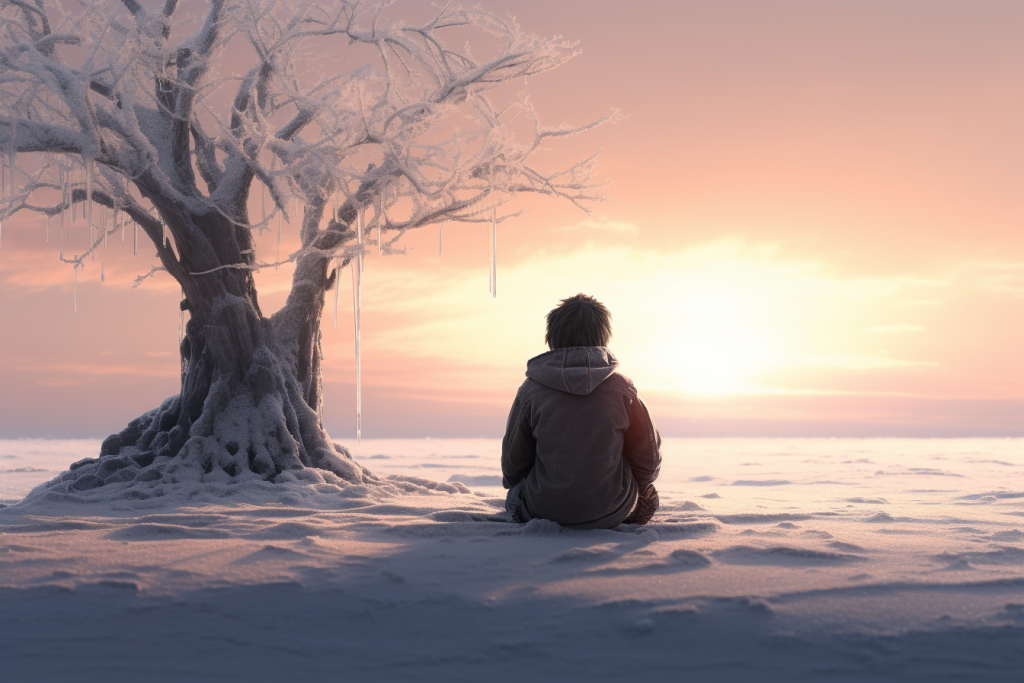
(580, 447)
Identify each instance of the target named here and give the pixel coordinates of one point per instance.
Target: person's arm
(518, 448)
(642, 444)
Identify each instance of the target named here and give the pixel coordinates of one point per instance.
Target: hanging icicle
(337, 288)
(273, 163)
(359, 236)
(103, 221)
(63, 199)
(103, 274)
(14, 151)
(490, 240)
(494, 253)
(356, 305)
(88, 196)
(277, 254)
(76, 287)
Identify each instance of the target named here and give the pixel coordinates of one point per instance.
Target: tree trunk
(251, 393)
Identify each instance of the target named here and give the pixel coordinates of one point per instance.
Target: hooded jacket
(579, 439)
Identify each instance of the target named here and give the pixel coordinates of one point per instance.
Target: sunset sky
(815, 226)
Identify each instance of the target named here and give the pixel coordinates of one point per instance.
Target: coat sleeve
(518, 448)
(642, 444)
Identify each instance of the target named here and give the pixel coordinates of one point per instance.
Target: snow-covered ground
(771, 559)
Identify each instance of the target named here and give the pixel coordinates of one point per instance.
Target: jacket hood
(574, 370)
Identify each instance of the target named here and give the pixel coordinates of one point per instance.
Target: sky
(814, 227)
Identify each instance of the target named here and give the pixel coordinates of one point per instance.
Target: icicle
(63, 205)
(277, 254)
(103, 274)
(490, 242)
(359, 236)
(88, 196)
(337, 288)
(14, 151)
(135, 244)
(62, 237)
(494, 253)
(356, 305)
(440, 236)
(76, 287)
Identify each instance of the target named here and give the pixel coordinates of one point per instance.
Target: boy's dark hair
(580, 320)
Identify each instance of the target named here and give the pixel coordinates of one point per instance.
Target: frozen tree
(181, 118)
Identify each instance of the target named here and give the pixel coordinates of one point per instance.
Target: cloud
(726, 316)
(884, 329)
(1005, 278)
(864, 361)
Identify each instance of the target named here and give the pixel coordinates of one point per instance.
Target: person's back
(580, 447)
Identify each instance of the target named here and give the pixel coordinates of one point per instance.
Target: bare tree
(103, 102)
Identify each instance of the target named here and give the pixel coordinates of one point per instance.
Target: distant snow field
(770, 560)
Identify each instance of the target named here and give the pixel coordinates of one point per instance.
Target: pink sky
(816, 227)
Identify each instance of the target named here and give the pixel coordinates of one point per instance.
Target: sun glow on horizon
(711, 345)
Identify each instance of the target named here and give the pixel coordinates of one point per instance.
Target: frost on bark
(158, 128)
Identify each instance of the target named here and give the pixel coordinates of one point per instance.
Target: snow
(770, 559)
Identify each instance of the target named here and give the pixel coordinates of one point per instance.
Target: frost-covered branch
(425, 131)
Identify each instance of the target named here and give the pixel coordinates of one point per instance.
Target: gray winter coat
(579, 439)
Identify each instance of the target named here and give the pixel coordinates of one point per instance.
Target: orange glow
(815, 228)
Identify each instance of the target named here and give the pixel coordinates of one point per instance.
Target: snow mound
(129, 480)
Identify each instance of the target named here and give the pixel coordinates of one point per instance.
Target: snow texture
(845, 573)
